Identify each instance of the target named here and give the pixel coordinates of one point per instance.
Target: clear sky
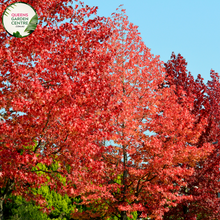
(188, 27)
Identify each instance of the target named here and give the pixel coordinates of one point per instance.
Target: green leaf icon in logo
(32, 24)
(6, 13)
(17, 34)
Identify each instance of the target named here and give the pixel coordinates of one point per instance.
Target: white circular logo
(19, 19)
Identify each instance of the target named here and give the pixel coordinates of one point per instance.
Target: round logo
(19, 19)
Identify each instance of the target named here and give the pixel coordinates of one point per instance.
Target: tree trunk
(123, 215)
(1, 208)
(3, 195)
(124, 181)
(139, 214)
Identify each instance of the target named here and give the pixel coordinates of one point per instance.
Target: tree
(203, 184)
(54, 91)
(17, 208)
(81, 83)
(141, 172)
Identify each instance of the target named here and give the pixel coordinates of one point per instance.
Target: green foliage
(32, 24)
(62, 205)
(17, 208)
(134, 214)
(17, 34)
(118, 180)
(6, 13)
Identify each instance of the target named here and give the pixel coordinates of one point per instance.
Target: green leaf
(17, 34)
(32, 24)
(6, 12)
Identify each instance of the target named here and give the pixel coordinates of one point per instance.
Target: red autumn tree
(203, 185)
(54, 94)
(140, 172)
(79, 84)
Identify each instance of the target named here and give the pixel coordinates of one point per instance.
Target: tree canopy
(89, 113)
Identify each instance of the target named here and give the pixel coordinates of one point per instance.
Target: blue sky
(189, 27)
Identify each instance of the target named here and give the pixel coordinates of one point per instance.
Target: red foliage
(203, 185)
(141, 172)
(92, 80)
(58, 78)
